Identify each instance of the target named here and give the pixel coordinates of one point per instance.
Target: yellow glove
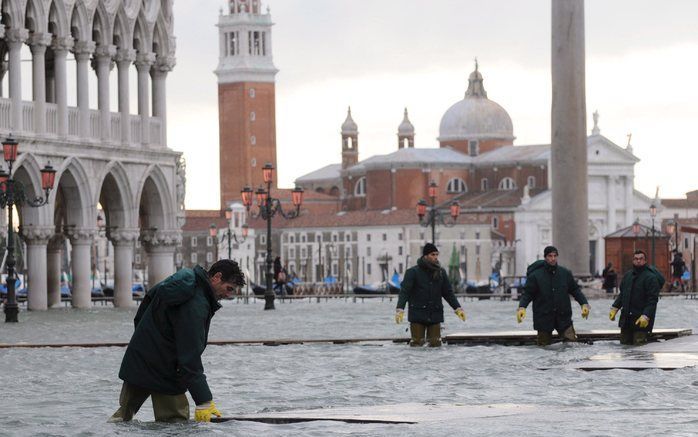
(520, 314)
(204, 412)
(643, 321)
(612, 314)
(585, 311)
(460, 313)
(399, 316)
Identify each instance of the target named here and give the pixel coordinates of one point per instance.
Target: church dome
(476, 116)
(349, 126)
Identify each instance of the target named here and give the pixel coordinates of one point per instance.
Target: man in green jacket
(424, 286)
(549, 286)
(163, 358)
(639, 293)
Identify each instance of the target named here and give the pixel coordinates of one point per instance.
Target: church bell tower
(246, 97)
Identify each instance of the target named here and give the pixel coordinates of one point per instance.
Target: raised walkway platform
(510, 338)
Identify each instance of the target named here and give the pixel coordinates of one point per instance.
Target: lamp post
(673, 228)
(268, 207)
(435, 214)
(230, 235)
(636, 231)
(12, 194)
(653, 214)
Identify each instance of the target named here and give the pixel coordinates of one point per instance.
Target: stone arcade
(114, 161)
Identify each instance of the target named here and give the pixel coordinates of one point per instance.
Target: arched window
(473, 147)
(360, 187)
(484, 184)
(456, 185)
(531, 182)
(507, 184)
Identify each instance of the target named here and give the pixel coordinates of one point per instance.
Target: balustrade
(94, 131)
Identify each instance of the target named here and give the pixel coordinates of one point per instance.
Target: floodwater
(72, 391)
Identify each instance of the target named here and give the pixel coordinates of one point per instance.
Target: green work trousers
(632, 336)
(545, 338)
(167, 408)
(431, 332)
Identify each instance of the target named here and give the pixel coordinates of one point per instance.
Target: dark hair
(640, 251)
(229, 270)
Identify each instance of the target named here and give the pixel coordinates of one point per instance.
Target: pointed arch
(57, 20)
(80, 22)
(35, 17)
(142, 37)
(12, 15)
(121, 35)
(28, 172)
(161, 40)
(73, 186)
(101, 26)
(116, 197)
(154, 200)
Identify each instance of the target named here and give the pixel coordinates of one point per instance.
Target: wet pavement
(72, 391)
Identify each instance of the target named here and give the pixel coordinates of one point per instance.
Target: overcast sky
(380, 56)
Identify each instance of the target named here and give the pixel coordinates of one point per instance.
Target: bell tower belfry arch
(246, 96)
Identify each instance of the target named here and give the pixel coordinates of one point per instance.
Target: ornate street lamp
(268, 207)
(435, 214)
(12, 193)
(653, 214)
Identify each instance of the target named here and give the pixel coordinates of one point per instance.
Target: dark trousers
(167, 408)
(632, 336)
(545, 337)
(431, 332)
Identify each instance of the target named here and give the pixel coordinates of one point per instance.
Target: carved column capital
(81, 236)
(38, 43)
(37, 234)
(144, 61)
(83, 50)
(123, 237)
(163, 65)
(155, 238)
(125, 55)
(62, 44)
(16, 37)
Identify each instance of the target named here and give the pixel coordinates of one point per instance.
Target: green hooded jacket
(550, 287)
(424, 288)
(172, 322)
(639, 293)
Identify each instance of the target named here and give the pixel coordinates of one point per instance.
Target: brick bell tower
(246, 97)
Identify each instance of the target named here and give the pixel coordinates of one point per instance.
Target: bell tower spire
(246, 96)
(350, 142)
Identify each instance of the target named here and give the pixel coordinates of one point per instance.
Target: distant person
(610, 278)
(423, 287)
(163, 358)
(639, 293)
(549, 286)
(678, 266)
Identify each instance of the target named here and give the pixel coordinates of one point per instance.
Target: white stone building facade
(115, 162)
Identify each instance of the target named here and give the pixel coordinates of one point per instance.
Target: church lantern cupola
(405, 133)
(350, 142)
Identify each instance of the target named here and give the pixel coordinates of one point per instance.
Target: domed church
(478, 165)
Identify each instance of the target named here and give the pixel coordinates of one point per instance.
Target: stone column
(15, 39)
(36, 239)
(83, 52)
(611, 203)
(160, 246)
(143, 63)
(81, 244)
(158, 75)
(568, 149)
(60, 47)
(123, 241)
(53, 261)
(102, 63)
(50, 77)
(39, 42)
(629, 204)
(124, 59)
